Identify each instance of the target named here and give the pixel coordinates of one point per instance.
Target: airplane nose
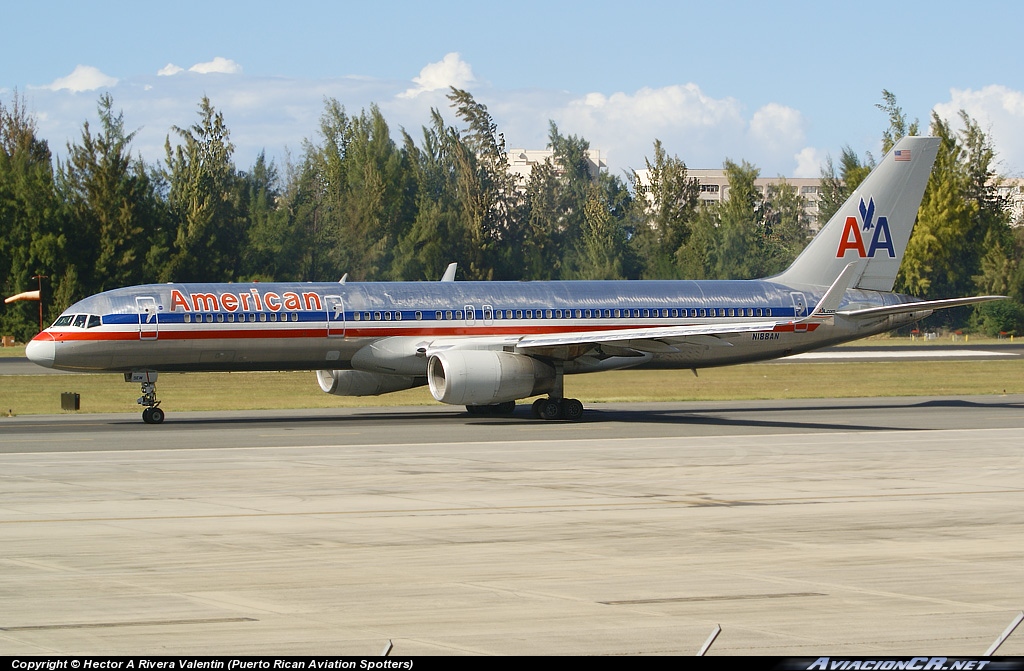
(41, 350)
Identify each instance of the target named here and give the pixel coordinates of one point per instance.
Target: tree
(740, 225)
(837, 187)
(271, 251)
(668, 208)
(899, 127)
(438, 233)
(110, 206)
(203, 200)
(487, 191)
(786, 226)
(30, 238)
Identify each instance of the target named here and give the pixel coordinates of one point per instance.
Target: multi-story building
(714, 187)
(521, 162)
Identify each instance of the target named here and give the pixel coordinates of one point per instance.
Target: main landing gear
(558, 408)
(151, 413)
(543, 408)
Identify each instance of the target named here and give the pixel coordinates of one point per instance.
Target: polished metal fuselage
(307, 326)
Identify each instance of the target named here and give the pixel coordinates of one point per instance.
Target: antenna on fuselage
(344, 278)
(449, 273)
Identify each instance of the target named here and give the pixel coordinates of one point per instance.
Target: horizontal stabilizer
(904, 308)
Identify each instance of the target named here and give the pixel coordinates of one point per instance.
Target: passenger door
(149, 318)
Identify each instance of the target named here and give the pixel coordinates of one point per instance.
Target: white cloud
(999, 111)
(698, 128)
(83, 78)
(218, 65)
(169, 70)
(277, 113)
(808, 162)
(777, 128)
(449, 71)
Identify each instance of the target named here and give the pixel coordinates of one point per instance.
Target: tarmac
(803, 528)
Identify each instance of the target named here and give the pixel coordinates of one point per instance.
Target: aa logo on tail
(853, 237)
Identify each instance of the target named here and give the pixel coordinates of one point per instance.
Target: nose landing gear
(151, 413)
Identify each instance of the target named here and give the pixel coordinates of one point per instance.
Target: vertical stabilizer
(873, 225)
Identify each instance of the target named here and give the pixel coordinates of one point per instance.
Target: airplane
(486, 345)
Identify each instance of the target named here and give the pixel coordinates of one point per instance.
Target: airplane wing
(655, 339)
(660, 340)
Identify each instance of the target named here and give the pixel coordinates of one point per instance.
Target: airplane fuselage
(309, 326)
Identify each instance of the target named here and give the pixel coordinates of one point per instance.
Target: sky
(780, 84)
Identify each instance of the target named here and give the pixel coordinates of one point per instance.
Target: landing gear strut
(151, 413)
(556, 406)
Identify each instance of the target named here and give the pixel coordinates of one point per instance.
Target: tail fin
(873, 225)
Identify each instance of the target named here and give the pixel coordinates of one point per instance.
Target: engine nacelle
(484, 377)
(361, 383)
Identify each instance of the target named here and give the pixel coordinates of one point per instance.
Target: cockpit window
(94, 321)
(80, 321)
(64, 320)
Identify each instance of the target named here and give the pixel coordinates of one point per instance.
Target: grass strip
(40, 394)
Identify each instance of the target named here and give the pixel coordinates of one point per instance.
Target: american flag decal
(902, 154)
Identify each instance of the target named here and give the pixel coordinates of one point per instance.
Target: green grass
(17, 350)
(40, 394)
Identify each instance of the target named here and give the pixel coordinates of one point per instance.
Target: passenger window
(387, 316)
(355, 316)
(519, 314)
(376, 316)
(220, 317)
(188, 319)
(529, 314)
(419, 315)
(231, 317)
(447, 314)
(273, 316)
(458, 314)
(768, 312)
(398, 315)
(263, 316)
(438, 316)
(209, 318)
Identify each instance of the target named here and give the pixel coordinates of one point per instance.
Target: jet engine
(486, 377)
(361, 383)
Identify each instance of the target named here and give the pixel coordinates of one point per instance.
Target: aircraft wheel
(506, 408)
(147, 415)
(538, 408)
(156, 416)
(572, 409)
(551, 409)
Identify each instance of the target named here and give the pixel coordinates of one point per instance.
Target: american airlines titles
(252, 300)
